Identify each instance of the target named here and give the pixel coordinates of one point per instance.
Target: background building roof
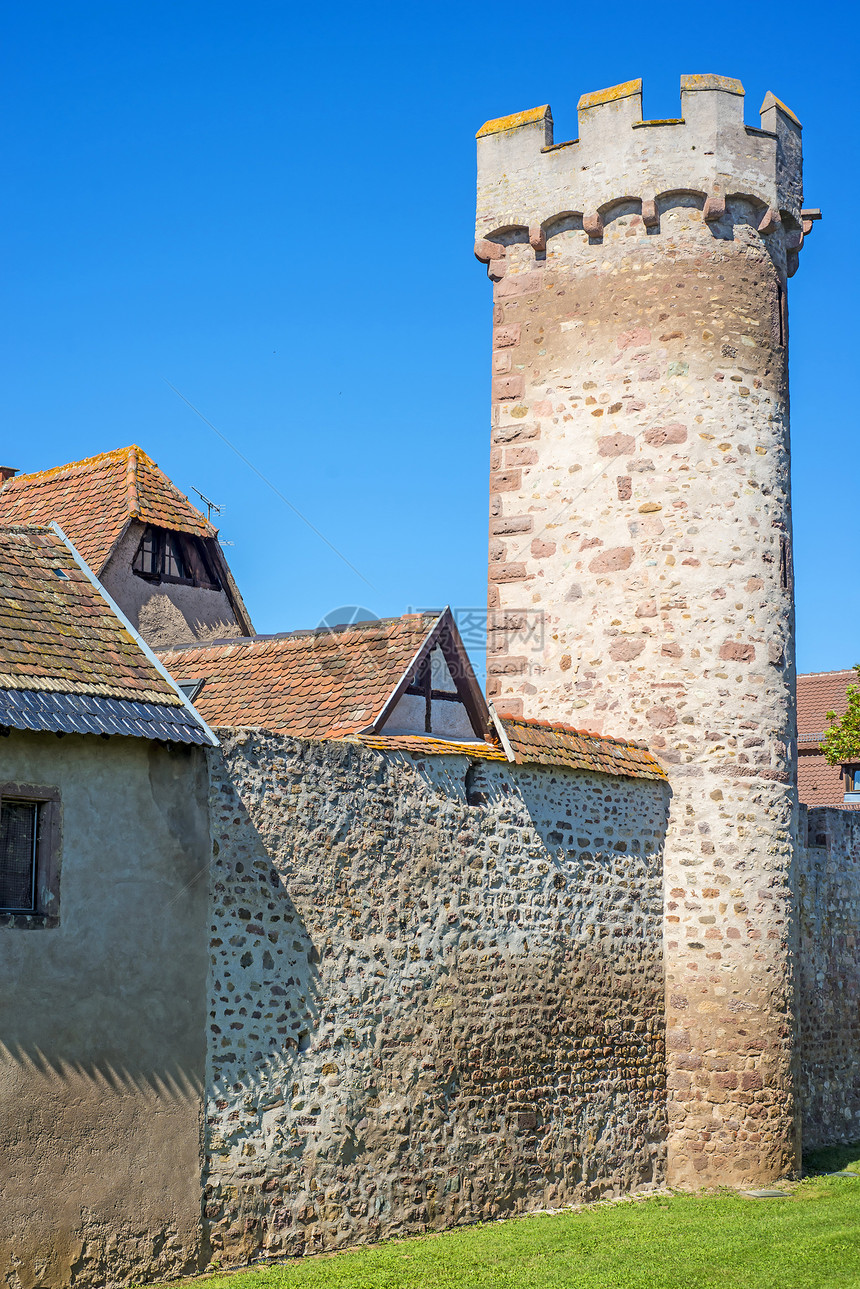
(820, 692)
(335, 683)
(67, 662)
(93, 500)
(311, 684)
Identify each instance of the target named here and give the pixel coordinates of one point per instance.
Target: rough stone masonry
(640, 500)
(428, 1007)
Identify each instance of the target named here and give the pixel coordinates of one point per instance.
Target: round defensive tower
(640, 574)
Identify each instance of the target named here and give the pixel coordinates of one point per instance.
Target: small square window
(19, 832)
(29, 856)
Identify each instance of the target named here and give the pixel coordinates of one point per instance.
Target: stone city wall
(436, 992)
(829, 976)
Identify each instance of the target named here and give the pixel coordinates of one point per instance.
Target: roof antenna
(210, 505)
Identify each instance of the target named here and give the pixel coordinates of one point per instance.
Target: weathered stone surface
(666, 337)
(829, 976)
(426, 1012)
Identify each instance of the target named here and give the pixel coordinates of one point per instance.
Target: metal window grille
(19, 835)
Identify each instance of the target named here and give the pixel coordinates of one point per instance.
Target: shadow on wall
(430, 1005)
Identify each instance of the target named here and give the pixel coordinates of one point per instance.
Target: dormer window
(165, 556)
(851, 775)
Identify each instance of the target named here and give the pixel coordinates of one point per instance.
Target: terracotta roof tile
(93, 500)
(820, 692)
(540, 743)
(427, 746)
(58, 635)
(332, 684)
(819, 784)
(311, 684)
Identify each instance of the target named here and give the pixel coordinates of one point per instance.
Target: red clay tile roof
(311, 684)
(426, 745)
(58, 635)
(820, 692)
(332, 684)
(93, 500)
(536, 743)
(819, 784)
(540, 743)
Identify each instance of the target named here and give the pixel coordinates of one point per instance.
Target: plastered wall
(425, 1012)
(102, 1024)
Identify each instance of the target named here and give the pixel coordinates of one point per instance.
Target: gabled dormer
(155, 553)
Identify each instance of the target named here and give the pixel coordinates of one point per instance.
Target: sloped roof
(820, 692)
(426, 745)
(67, 662)
(819, 784)
(535, 743)
(93, 500)
(311, 684)
(540, 743)
(336, 683)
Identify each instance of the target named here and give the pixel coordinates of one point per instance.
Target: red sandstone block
(613, 560)
(520, 284)
(515, 433)
(537, 238)
(662, 718)
(501, 363)
(506, 480)
(520, 456)
(542, 549)
(508, 706)
(737, 651)
(616, 445)
(495, 458)
(505, 336)
(625, 487)
(726, 1080)
(486, 251)
(510, 573)
(510, 524)
(751, 1081)
(659, 435)
(506, 666)
(715, 207)
(508, 387)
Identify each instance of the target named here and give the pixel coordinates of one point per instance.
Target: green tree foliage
(841, 743)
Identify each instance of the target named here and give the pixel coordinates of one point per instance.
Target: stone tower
(640, 503)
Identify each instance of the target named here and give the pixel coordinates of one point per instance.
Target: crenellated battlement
(527, 180)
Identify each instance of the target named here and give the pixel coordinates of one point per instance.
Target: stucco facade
(102, 1020)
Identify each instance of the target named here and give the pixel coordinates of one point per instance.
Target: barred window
(19, 835)
(30, 833)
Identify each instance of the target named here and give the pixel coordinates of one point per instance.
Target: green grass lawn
(809, 1241)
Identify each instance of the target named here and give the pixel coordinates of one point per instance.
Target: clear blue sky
(271, 206)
